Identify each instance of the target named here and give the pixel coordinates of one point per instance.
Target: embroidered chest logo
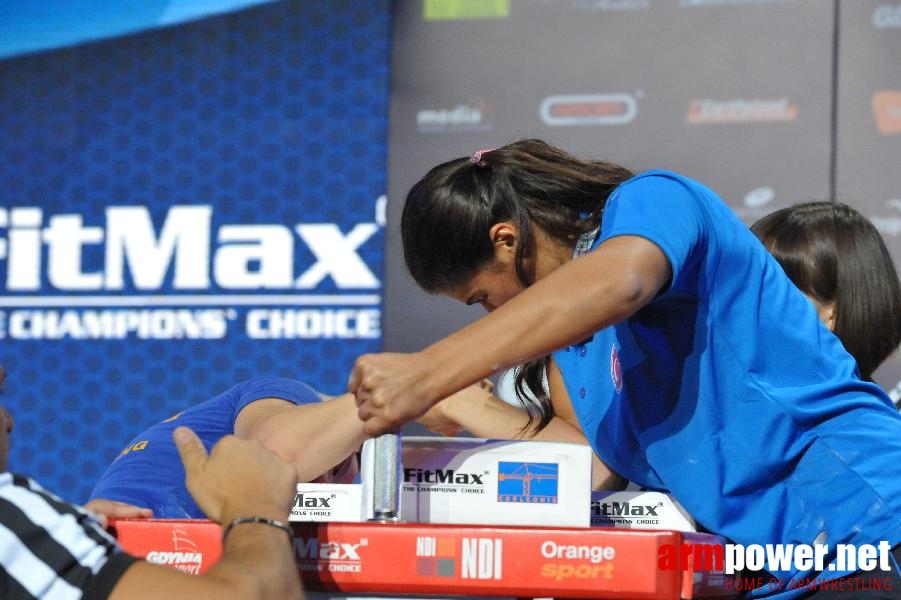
(616, 370)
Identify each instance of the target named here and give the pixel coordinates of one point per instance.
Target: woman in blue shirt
(692, 363)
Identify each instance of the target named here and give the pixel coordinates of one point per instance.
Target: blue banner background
(273, 116)
(29, 26)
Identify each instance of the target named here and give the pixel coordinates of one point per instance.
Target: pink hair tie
(476, 157)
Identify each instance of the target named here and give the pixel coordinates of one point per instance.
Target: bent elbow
(633, 296)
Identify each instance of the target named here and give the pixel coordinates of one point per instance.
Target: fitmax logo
(625, 509)
(230, 257)
(441, 476)
(307, 501)
(312, 549)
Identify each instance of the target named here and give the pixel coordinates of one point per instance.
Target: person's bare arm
(594, 291)
(602, 476)
(313, 437)
(240, 478)
(481, 413)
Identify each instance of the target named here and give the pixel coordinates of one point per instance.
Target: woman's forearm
(314, 437)
(579, 298)
(487, 416)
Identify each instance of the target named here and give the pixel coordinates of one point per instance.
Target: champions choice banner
(184, 207)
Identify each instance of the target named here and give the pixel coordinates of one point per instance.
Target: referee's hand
(239, 478)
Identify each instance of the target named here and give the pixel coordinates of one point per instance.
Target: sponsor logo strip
(456, 10)
(428, 559)
(740, 110)
(588, 109)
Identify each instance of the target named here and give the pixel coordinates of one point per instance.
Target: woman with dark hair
(836, 257)
(693, 364)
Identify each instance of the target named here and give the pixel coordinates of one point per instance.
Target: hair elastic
(476, 157)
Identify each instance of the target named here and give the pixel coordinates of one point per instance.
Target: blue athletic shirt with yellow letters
(149, 472)
(729, 393)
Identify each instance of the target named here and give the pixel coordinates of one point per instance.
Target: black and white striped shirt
(52, 549)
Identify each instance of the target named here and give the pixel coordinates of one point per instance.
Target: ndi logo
(482, 558)
(436, 556)
(533, 483)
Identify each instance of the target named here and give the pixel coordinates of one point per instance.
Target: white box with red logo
(639, 510)
(498, 482)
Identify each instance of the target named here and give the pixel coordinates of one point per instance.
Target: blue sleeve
(669, 210)
(282, 388)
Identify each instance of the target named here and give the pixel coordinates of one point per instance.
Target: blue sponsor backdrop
(183, 208)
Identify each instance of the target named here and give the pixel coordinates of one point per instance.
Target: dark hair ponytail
(447, 216)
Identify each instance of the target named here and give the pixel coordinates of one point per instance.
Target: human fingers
(378, 425)
(237, 478)
(273, 478)
(364, 411)
(353, 382)
(117, 510)
(357, 374)
(190, 449)
(368, 397)
(363, 381)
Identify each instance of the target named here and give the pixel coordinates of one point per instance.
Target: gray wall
(770, 102)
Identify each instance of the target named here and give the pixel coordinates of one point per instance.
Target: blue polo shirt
(149, 473)
(729, 393)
